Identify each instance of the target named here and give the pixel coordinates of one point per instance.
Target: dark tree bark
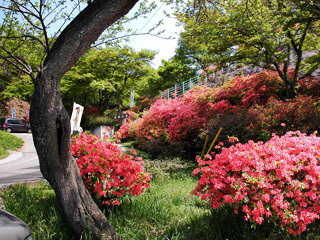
(51, 124)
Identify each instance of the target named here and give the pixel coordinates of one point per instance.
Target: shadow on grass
(38, 207)
(223, 224)
(166, 211)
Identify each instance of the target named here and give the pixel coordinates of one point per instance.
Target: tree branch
(24, 69)
(90, 23)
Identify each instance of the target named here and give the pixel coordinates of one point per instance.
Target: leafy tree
(80, 85)
(173, 72)
(106, 75)
(191, 54)
(270, 34)
(17, 83)
(149, 85)
(25, 21)
(123, 67)
(20, 87)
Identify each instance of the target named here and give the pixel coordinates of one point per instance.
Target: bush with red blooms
(106, 172)
(255, 88)
(301, 113)
(309, 86)
(135, 109)
(176, 119)
(146, 102)
(278, 180)
(93, 110)
(123, 132)
(258, 98)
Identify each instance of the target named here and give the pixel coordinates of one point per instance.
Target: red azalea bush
(132, 115)
(235, 121)
(177, 119)
(186, 123)
(123, 132)
(156, 120)
(146, 102)
(93, 110)
(300, 113)
(132, 131)
(309, 86)
(135, 109)
(204, 110)
(201, 95)
(275, 180)
(255, 88)
(106, 171)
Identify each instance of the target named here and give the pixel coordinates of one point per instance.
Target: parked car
(14, 125)
(12, 228)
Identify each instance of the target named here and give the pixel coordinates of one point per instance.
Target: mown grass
(8, 142)
(165, 211)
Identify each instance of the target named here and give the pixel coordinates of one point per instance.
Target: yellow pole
(204, 146)
(214, 140)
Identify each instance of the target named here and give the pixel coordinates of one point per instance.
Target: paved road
(20, 166)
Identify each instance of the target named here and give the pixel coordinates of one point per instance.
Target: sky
(164, 47)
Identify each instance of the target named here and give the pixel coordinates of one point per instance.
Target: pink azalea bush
(106, 171)
(172, 120)
(250, 107)
(278, 180)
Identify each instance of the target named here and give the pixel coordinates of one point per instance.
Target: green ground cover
(8, 142)
(165, 211)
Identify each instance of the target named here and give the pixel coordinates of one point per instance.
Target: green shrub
(159, 149)
(8, 142)
(92, 122)
(3, 152)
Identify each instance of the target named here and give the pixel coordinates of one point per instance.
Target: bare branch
(22, 38)
(16, 10)
(21, 65)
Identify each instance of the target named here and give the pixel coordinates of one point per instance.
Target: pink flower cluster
(278, 179)
(106, 171)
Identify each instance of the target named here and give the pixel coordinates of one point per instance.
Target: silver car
(12, 228)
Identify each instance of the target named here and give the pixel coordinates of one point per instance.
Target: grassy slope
(165, 211)
(8, 142)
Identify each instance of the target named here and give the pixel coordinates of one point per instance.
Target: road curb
(13, 155)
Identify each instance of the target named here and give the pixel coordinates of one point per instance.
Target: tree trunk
(50, 122)
(51, 133)
(291, 91)
(118, 103)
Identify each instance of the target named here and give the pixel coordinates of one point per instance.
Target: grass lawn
(165, 211)
(8, 142)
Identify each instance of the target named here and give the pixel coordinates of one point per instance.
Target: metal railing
(183, 87)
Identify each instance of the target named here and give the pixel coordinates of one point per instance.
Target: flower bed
(277, 180)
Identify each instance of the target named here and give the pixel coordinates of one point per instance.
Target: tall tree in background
(122, 68)
(106, 75)
(28, 20)
(15, 82)
(174, 72)
(270, 34)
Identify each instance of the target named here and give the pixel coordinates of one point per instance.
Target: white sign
(131, 97)
(76, 117)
